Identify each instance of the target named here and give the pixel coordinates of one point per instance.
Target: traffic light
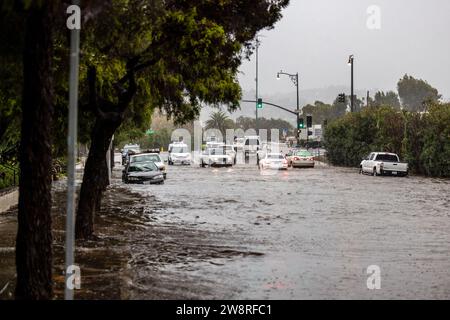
(309, 121)
(301, 124)
(259, 105)
(342, 98)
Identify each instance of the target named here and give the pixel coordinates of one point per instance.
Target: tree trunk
(95, 178)
(34, 237)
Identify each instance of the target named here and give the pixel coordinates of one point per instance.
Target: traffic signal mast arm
(271, 104)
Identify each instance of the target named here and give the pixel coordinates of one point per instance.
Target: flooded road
(233, 233)
(299, 234)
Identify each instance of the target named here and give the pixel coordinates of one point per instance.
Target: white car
(179, 154)
(229, 149)
(273, 161)
(149, 157)
(383, 163)
(216, 157)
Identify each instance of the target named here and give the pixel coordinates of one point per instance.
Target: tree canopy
(414, 93)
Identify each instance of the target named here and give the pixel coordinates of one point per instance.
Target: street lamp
(350, 63)
(294, 78)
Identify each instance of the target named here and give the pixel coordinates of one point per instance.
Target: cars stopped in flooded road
(149, 157)
(273, 161)
(179, 154)
(300, 159)
(383, 163)
(142, 172)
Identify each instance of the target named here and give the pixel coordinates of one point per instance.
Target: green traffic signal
(259, 105)
(301, 124)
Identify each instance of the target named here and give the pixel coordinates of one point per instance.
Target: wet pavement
(233, 233)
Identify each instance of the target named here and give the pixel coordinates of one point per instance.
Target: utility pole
(256, 79)
(368, 97)
(351, 63)
(295, 80)
(298, 109)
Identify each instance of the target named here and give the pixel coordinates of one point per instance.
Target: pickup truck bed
(383, 163)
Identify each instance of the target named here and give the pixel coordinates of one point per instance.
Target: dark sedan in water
(142, 172)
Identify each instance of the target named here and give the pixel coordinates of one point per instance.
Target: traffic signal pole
(298, 111)
(256, 79)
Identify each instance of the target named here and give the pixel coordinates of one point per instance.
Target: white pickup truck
(383, 163)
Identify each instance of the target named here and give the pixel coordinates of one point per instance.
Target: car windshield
(304, 153)
(179, 150)
(146, 158)
(275, 156)
(387, 157)
(143, 167)
(217, 151)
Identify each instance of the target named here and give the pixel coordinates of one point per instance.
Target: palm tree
(219, 120)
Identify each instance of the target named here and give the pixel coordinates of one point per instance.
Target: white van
(179, 154)
(251, 146)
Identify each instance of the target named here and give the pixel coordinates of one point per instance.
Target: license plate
(394, 172)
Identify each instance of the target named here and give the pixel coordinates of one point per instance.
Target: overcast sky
(315, 38)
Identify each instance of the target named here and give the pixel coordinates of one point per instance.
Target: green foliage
(219, 120)
(246, 123)
(435, 156)
(414, 93)
(422, 140)
(389, 98)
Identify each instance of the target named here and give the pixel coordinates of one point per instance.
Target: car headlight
(160, 176)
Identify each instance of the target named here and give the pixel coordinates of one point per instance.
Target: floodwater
(233, 233)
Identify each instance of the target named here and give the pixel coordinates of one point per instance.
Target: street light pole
(71, 159)
(352, 104)
(295, 80)
(257, 71)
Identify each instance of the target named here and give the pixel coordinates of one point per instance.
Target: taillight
(296, 159)
(285, 161)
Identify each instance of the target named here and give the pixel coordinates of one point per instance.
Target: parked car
(301, 159)
(216, 157)
(179, 154)
(273, 161)
(149, 157)
(142, 172)
(383, 163)
(129, 149)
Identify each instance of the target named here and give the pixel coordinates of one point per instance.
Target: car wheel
(374, 173)
(202, 164)
(360, 170)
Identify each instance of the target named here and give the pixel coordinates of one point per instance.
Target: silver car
(302, 159)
